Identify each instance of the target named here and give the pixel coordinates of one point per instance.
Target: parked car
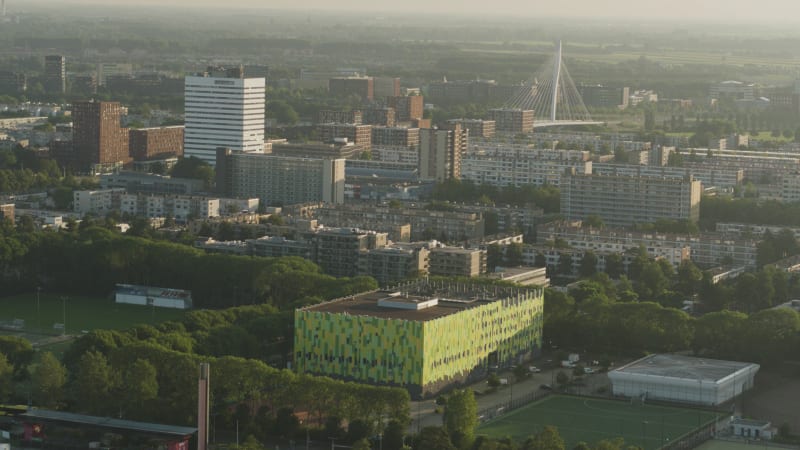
(588, 370)
(546, 387)
(534, 369)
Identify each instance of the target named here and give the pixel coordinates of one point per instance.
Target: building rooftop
(420, 302)
(686, 367)
(109, 423)
(456, 250)
(367, 305)
(751, 422)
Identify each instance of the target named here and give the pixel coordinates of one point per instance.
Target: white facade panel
(223, 112)
(131, 299)
(691, 386)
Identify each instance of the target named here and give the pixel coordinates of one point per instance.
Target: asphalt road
(423, 412)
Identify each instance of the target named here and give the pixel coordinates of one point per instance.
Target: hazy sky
(783, 11)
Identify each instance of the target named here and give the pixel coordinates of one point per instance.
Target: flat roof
(452, 298)
(751, 422)
(367, 305)
(686, 367)
(508, 272)
(107, 422)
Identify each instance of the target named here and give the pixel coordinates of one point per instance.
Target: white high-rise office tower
(223, 111)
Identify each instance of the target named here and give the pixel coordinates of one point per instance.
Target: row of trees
(747, 210)
(597, 320)
(145, 381)
(148, 373)
(461, 191)
(92, 260)
(640, 278)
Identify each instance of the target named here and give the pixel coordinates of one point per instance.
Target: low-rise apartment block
(658, 245)
(99, 202)
(340, 252)
(478, 128)
(393, 263)
(331, 150)
(503, 166)
(757, 165)
(790, 189)
(180, 207)
(357, 134)
(552, 258)
(354, 117)
(525, 276)
(750, 230)
(384, 117)
(425, 224)
(457, 262)
(705, 249)
(142, 182)
(396, 154)
(407, 108)
(395, 137)
(513, 121)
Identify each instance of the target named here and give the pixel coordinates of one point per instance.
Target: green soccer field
(591, 420)
(81, 313)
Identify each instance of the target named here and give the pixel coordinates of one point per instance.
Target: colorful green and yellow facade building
(425, 336)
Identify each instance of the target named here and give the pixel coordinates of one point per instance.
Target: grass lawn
(82, 313)
(767, 136)
(591, 420)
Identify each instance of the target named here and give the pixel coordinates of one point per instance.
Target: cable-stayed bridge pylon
(552, 95)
